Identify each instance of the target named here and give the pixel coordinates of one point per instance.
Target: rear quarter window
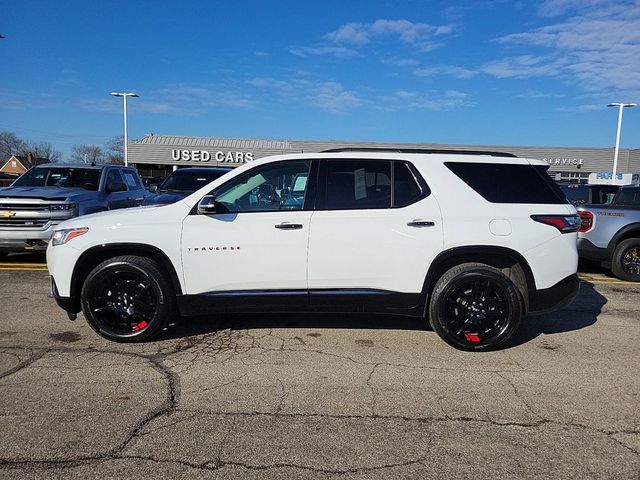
(509, 183)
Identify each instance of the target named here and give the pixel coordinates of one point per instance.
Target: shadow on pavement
(582, 313)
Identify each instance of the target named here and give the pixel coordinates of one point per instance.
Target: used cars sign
(205, 156)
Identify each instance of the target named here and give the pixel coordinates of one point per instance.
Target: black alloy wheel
(475, 307)
(127, 299)
(626, 260)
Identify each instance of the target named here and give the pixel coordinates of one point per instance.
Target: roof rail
(419, 150)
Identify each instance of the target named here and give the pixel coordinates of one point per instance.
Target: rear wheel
(128, 299)
(626, 260)
(475, 307)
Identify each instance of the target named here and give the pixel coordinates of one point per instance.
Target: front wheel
(626, 260)
(128, 299)
(475, 307)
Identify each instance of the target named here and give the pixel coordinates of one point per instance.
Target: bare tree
(44, 150)
(114, 150)
(11, 144)
(94, 153)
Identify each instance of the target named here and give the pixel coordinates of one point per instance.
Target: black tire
(625, 263)
(475, 307)
(128, 299)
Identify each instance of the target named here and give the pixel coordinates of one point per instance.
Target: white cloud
(326, 95)
(597, 48)
(400, 62)
(417, 34)
(335, 51)
(447, 70)
(333, 97)
(537, 95)
(553, 8)
(434, 100)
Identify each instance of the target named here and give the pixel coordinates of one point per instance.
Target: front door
(256, 241)
(376, 230)
(119, 199)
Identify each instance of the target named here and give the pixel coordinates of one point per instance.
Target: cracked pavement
(317, 396)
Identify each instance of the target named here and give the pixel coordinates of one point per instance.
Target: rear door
(376, 227)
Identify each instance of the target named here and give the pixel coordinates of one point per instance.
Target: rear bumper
(555, 297)
(589, 251)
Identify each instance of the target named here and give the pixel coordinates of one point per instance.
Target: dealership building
(157, 155)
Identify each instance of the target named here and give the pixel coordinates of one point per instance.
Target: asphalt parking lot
(318, 396)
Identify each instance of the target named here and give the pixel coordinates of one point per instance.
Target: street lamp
(615, 155)
(124, 99)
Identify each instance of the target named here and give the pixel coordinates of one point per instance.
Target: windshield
(58, 177)
(186, 181)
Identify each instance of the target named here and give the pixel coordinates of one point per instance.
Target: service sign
(184, 155)
(564, 161)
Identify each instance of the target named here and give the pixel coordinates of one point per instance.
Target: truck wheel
(625, 263)
(475, 307)
(128, 299)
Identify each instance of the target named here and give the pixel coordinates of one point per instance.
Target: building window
(571, 177)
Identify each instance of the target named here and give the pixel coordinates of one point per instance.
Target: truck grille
(19, 207)
(23, 222)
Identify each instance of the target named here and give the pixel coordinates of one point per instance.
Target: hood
(46, 193)
(163, 198)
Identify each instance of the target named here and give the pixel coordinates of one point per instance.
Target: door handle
(289, 226)
(420, 223)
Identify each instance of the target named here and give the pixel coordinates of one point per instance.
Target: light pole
(124, 96)
(615, 155)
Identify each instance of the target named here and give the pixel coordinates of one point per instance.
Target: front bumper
(68, 304)
(555, 297)
(19, 240)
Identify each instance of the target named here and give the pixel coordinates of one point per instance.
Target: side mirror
(153, 188)
(207, 205)
(116, 187)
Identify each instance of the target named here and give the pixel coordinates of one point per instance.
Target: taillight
(564, 223)
(586, 221)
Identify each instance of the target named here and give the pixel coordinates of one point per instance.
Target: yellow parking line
(23, 264)
(604, 282)
(23, 269)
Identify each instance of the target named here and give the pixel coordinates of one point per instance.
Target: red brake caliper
(472, 337)
(139, 326)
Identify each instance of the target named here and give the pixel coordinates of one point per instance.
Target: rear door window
(358, 184)
(509, 183)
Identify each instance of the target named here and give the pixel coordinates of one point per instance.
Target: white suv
(472, 241)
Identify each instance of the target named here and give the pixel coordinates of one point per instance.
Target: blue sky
(485, 72)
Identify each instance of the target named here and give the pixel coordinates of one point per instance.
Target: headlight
(60, 237)
(62, 206)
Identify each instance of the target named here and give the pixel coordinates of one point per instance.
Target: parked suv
(471, 241)
(610, 234)
(581, 194)
(48, 194)
(182, 183)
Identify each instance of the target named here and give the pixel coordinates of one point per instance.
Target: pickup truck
(48, 194)
(610, 234)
